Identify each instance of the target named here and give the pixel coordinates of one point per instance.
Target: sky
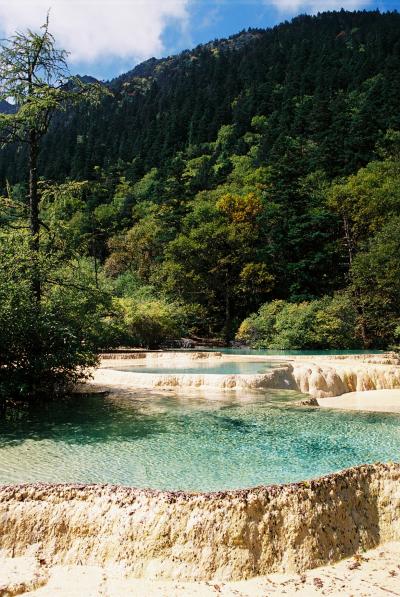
(108, 37)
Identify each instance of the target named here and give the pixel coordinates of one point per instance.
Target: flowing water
(191, 443)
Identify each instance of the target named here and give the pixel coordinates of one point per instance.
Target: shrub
(325, 323)
(258, 330)
(149, 322)
(294, 326)
(45, 347)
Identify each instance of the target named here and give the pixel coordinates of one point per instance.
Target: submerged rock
(308, 402)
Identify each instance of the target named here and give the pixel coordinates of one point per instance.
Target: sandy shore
(373, 400)
(375, 573)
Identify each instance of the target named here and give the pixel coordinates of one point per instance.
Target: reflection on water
(177, 442)
(209, 367)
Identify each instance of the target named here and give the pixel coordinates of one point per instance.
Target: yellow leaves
(134, 310)
(240, 209)
(244, 333)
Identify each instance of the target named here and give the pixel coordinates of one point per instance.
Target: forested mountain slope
(332, 80)
(259, 169)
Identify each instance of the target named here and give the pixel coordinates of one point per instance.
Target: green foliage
(137, 248)
(49, 312)
(320, 89)
(325, 323)
(146, 321)
(368, 198)
(213, 261)
(258, 330)
(208, 187)
(34, 76)
(45, 348)
(375, 275)
(369, 205)
(335, 323)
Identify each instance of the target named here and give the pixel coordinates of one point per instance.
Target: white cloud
(315, 6)
(95, 29)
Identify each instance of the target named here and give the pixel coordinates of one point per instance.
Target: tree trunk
(357, 293)
(34, 223)
(228, 315)
(348, 239)
(361, 319)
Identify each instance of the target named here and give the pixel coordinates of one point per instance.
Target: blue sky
(108, 37)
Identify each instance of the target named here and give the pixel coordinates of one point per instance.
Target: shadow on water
(96, 418)
(236, 424)
(79, 419)
(193, 441)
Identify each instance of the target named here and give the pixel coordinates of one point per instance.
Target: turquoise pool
(199, 367)
(170, 442)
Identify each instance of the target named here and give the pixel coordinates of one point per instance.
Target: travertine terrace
(226, 535)
(318, 376)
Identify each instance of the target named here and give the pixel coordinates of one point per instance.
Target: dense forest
(249, 187)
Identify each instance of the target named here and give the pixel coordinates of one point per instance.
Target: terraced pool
(212, 367)
(168, 442)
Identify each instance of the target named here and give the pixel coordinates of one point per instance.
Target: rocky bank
(318, 376)
(226, 536)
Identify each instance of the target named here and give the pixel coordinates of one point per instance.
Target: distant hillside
(6, 108)
(332, 79)
(156, 69)
(253, 180)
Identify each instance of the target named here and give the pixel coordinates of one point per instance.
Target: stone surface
(317, 376)
(386, 401)
(227, 536)
(374, 573)
(20, 575)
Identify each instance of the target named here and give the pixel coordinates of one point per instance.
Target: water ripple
(171, 442)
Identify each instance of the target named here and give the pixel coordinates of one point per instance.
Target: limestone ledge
(322, 380)
(227, 535)
(165, 355)
(318, 377)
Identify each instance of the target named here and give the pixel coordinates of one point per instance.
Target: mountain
(6, 108)
(160, 69)
(260, 172)
(87, 79)
(333, 79)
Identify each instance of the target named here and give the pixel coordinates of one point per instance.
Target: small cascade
(318, 377)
